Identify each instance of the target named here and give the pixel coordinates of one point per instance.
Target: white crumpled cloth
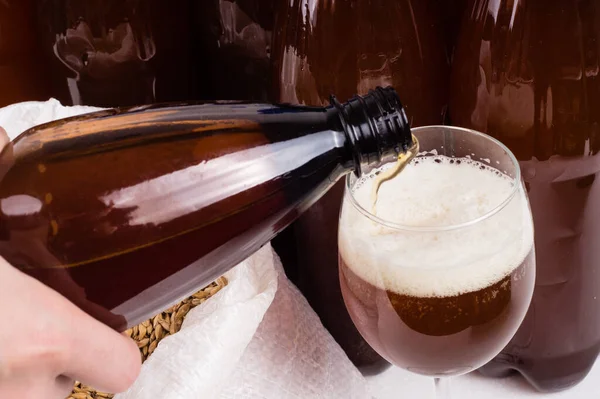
(17, 118)
(256, 338)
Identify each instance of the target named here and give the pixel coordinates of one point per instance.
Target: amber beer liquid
(125, 212)
(423, 299)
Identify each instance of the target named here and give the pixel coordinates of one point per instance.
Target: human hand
(47, 342)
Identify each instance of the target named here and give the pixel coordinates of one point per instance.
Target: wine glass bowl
(439, 276)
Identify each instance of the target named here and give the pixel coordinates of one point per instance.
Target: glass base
(442, 388)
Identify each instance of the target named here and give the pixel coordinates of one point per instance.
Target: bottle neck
(376, 127)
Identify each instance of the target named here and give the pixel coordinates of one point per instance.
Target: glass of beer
(437, 267)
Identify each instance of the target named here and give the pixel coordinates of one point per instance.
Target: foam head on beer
(459, 226)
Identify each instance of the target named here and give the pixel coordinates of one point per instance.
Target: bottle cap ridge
(377, 127)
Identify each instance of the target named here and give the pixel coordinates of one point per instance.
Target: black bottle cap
(377, 127)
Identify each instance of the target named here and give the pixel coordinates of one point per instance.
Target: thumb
(7, 157)
(101, 357)
(4, 140)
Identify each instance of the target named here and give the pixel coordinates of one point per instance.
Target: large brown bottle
(121, 52)
(321, 46)
(127, 52)
(526, 72)
(451, 17)
(235, 39)
(125, 212)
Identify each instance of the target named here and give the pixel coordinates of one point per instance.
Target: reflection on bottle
(236, 37)
(101, 62)
(120, 52)
(97, 58)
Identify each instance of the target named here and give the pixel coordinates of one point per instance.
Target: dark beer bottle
(527, 73)
(234, 38)
(126, 211)
(120, 52)
(126, 52)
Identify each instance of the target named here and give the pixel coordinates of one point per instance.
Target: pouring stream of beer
(403, 160)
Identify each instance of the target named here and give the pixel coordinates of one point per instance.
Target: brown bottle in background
(451, 17)
(527, 73)
(126, 212)
(235, 38)
(120, 52)
(21, 75)
(346, 47)
(126, 52)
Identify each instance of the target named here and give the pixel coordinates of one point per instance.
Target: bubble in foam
(437, 192)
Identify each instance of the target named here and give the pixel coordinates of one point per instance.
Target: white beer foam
(435, 193)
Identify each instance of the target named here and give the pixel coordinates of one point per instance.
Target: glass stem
(442, 388)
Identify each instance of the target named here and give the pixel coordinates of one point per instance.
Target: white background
(396, 383)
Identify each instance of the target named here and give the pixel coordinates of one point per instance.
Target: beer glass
(438, 276)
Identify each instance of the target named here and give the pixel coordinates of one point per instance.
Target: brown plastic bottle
(126, 52)
(111, 53)
(125, 212)
(21, 77)
(346, 47)
(235, 39)
(451, 17)
(526, 72)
